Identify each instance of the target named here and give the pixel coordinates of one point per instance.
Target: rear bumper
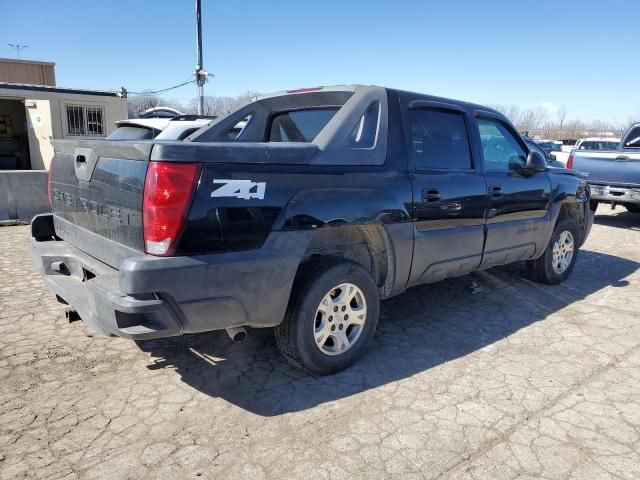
(153, 297)
(69, 273)
(614, 194)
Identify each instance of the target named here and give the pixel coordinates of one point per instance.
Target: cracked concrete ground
(517, 380)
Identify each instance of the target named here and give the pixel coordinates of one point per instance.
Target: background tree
(219, 106)
(542, 122)
(562, 113)
(144, 101)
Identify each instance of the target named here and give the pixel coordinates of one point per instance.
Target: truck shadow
(619, 219)
(418, 330)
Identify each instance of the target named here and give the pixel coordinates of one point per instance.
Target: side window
(439, 140)
(501, 150)
(587, 146)
(85, 120)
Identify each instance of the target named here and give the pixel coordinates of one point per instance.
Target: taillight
(168, 190)
(570, 160)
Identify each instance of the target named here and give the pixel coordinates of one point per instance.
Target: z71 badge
(245, 189)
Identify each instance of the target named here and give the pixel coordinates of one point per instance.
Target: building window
(85, 120)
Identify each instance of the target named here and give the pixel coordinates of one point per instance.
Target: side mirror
(536, 162)
(552, 156)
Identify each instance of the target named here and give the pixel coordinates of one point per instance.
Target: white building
(32, 115)
(34, 111)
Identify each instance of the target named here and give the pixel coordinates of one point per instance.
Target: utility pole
(18, 47)
(201, 75)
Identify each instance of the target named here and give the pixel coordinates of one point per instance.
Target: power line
(164, 89)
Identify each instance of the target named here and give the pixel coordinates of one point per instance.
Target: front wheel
(332, 316)
(557, 261)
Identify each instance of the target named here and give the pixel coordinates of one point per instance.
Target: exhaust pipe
(237, 334)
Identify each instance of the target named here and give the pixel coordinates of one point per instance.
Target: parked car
(160, 128)
(614, 175)
(327, 201)
(550, 158)
(563, 155)
(548, 146)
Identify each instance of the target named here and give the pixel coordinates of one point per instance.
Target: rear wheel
(332, 316)
(557, 261)
(632, 208)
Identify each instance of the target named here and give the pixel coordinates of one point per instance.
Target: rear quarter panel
(293, 198)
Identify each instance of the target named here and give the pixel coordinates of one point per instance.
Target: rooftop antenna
(18, 47)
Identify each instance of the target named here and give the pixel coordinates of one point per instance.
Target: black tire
(541, 269)
(632, 208)
(295, 335)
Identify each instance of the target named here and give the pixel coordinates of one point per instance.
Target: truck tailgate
(611, 168)
(96, 193)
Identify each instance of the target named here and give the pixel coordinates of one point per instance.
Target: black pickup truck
(324, 202)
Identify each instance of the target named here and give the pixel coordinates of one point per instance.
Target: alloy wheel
(340, 319)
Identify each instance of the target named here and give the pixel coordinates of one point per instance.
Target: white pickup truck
(589, 143)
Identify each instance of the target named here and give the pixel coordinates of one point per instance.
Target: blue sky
(583, 54)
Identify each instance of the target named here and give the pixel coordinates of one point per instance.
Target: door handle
(430, 195)
(496, 192)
